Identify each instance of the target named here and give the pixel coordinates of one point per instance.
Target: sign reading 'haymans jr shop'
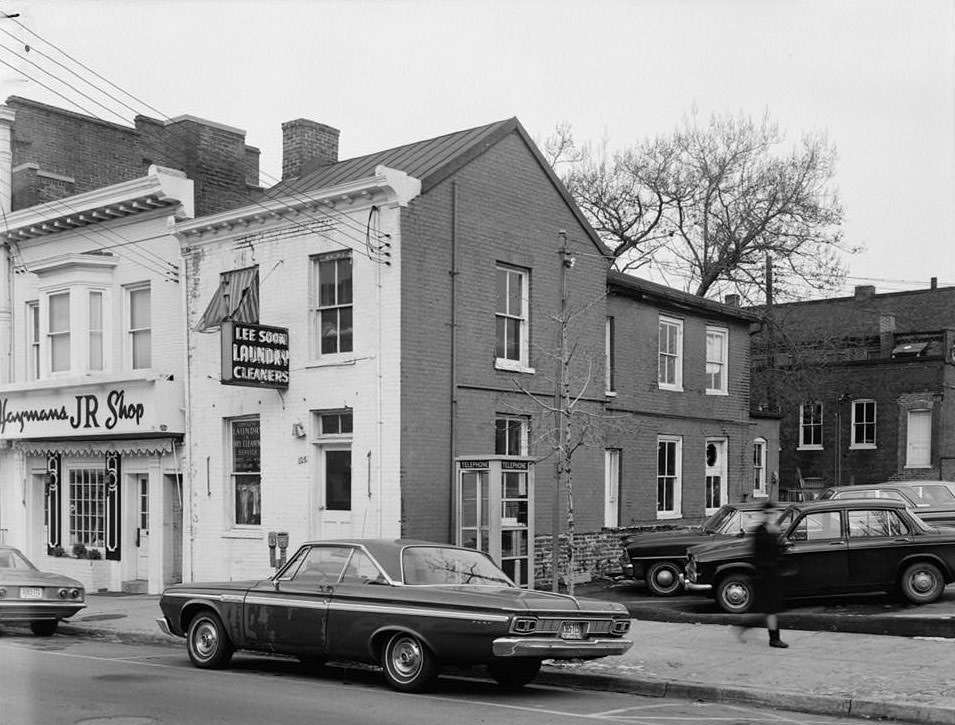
(83, 413)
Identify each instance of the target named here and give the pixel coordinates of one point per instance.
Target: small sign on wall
(254, 355)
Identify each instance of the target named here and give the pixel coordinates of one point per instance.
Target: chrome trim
(420, 611)
(658, 557)
(553, 648)
(164, 626)
(286, 602)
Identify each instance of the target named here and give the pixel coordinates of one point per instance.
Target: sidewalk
(831, 673)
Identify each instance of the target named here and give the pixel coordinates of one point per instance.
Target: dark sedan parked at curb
(38, 597)
(840, 546)
(658, 557)
(409, 606)
(933, 501)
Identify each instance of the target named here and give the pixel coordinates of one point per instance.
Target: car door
(816, 554)
(878, 540)
(289, 614)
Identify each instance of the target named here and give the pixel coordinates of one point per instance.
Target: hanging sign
(254, 355)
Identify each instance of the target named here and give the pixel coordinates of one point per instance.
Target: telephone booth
(494, 505)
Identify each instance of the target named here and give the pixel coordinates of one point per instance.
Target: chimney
(864, 291)
(934, 283)
(305, 141)
(886, 334)
(732, 300)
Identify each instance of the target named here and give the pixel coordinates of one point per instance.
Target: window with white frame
(512, 312)
(759, 467)
(863, 424)
(510, 435)
(670, 366)
(334, 448)
(918, 439)
(95, 328)
(246, 474)
(669, 476)
(610, 384)
(332, 304)
(139, 326)
(612, 487)
(810, 425)
(87, 507)
(33, 340)
(58, 332)
(717, 344)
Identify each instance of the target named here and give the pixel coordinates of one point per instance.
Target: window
(96, 330)
(332, 317)
(510, 435)
(612, 487)
(139, 326)
(669, 469)
(810, 425)
(863, 424)
(759, 467)
(863, 524)
(918, 446)
(816, 526)
(246, 471)
(58, 331)
(716, 360)
(670, 368)
(610, 384)
(512, 312)
(33, 340)
(87, 507)
(335, 431)
(143, 517)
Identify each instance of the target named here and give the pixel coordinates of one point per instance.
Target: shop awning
(125, 447)
(237, 298)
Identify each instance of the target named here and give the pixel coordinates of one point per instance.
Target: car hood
(728, 548)
(37, 578)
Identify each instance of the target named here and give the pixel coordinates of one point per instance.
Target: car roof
(386, 551)
(847, 503)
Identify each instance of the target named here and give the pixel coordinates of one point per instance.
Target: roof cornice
(161, 188)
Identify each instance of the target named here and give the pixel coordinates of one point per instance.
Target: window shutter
(53, 503)
(113, 507)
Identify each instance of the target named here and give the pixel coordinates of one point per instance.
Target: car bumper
(694, 587)
(29, 611)
(164, 627)
(558, 648)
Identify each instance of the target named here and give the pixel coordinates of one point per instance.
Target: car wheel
(514, 674)
(735, 593)
(44, 627)
(408, 663)
(663, 579)
(207, 642)
(922, 582)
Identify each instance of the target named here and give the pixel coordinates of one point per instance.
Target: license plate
(31, 592)
(573, 630)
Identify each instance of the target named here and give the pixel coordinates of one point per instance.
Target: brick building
(91, 308)
(863, 385)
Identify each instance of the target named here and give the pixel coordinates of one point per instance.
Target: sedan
(933, 501)
(840, 546)
(38, 597)
(409, 606)
(659, 556)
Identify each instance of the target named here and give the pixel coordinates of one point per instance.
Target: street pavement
(851, 674)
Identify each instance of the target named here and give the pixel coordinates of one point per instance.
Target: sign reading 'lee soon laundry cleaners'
(254, 355)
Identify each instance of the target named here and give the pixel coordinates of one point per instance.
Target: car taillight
(621, 626)
(523, 625)
(3, 592)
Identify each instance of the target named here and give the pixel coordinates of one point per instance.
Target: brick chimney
(886, 334)
(864, 291)
(731, 300)
(305, 141)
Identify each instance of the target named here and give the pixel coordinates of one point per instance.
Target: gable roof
(431, 161)
(657, 294)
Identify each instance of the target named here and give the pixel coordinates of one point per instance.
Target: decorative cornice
(161, 188)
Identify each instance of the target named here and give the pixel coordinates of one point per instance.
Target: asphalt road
(864, 613)
(85, 682)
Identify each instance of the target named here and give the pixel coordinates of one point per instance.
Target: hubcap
(206, 640)
(736, 594)
(665, 578)
(406, 658)
(922, 582)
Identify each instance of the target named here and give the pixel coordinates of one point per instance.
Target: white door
(334, 492)
(142, 526)
(918, 449)
(612, 488)
(715, 473)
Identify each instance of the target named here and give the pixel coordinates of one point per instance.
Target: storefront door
(335, 491)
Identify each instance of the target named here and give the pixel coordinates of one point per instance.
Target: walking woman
(767, 558)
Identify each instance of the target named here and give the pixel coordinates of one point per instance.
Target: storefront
(92, 480)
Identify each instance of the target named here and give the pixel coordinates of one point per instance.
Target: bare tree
(707, 203)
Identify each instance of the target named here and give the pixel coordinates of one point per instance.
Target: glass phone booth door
(494, 501)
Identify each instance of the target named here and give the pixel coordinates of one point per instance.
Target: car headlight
(524, 625)
(76, 593)
(3, 592)
(63, 593)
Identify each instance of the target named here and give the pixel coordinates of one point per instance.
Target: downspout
(454, 372)
(6, 268)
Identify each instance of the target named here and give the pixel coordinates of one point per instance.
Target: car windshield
(423, 565)
(11, 559)
(721, 520)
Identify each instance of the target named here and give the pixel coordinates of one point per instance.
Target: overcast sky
(878, 76)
